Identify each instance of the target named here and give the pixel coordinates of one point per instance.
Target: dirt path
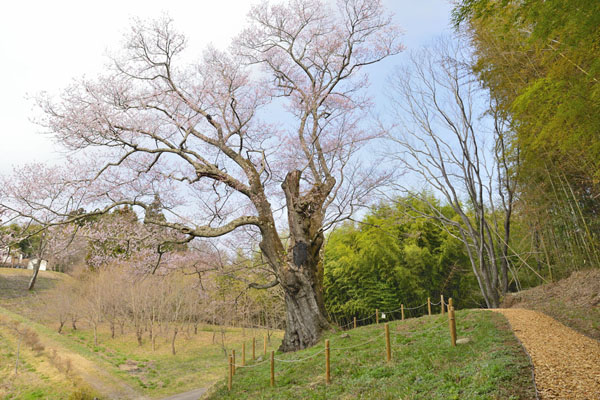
(87, 370)
(566, 363)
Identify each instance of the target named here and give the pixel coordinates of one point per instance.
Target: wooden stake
(442, 303)
(377, 316)
(253, 348)
(233, 356)
(388, 347)
(265, 345)
(354, 322)
(402, 309)
(429, 305)
(452, 322)
(230, 380)
(272, 368)
(450, 304)
(243, 354)
(327, 365)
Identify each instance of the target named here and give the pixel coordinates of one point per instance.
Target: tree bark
(299, 276)
(173, 340)
(36, 270)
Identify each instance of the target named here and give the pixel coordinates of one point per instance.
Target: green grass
(198, 363)
(424, 365)
(36, 378)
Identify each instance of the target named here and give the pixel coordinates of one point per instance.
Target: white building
(33, 261)
(10, 258)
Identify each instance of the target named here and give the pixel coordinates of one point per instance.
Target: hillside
(574, 301)
(117, 368)
(491, 365)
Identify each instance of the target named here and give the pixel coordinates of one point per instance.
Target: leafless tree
(445, 127)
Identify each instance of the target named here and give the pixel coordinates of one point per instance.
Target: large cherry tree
(262, 138)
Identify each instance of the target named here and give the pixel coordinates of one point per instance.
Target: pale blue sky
(45, 44)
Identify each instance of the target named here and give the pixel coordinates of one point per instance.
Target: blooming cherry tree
(208, 137)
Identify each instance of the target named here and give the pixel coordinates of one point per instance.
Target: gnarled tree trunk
(299, 277)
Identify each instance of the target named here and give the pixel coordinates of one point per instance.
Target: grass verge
(424, 365)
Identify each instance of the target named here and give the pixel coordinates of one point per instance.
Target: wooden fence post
(229, 381)
(354, 322)
(272, 368)
(253, 348)
(388, 347)
(452, 322)
(402, 309)
(429, 305)
(450, 303)
(243, 354)
(442, 303)
(265, 345)
(233, 356)
(327, 363)
(377, 316)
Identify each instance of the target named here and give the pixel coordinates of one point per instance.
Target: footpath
(566, 363)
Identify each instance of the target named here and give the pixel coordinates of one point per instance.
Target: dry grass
(37, 376)
(574, 301)
(119, 368)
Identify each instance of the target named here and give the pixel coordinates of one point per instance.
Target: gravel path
(192, 395)
(566, 363)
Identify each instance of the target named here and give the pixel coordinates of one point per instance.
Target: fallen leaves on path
(566, 363)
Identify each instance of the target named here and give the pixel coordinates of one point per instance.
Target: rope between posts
(431, 328)
(251, 366)
(359, 320)
(355, 346)
(300, 359)
(414, 308)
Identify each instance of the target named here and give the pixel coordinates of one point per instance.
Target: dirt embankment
(574, 301)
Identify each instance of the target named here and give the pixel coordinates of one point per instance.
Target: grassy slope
(198, 363)
(424, 365)
(574, 301)
(36, 378)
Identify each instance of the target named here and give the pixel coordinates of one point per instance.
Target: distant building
(33, 261)
(11, 258)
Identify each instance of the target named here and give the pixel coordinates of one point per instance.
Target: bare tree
(443, 134)
(196, 135)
